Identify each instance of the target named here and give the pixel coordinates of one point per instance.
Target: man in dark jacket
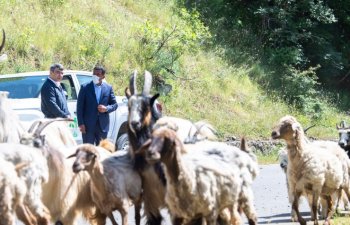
(53, 99)
(96, 100)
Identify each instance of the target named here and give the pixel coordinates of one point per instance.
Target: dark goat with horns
(140, 122)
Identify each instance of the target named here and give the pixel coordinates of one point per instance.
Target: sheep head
(288, 129)
(161, 146)
(344, 135)
(140, 105)
(85, 155)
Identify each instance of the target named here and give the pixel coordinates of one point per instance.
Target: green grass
(341, 220)
(204, 87)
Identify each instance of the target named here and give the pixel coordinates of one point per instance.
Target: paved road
(271, 200)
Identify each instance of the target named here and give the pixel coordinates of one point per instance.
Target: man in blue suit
(96, 100)
(53, 99)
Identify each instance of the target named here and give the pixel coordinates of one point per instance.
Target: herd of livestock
(171, 163)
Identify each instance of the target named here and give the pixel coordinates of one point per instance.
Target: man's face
(56, 75)
(100, 75)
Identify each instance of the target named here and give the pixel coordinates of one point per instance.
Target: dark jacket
(53, 101)
(87, 112)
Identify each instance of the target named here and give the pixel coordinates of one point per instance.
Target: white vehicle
(24, 94)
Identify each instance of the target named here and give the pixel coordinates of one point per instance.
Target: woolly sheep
(113, 181)
(310, 170)
(34, 175)
(197, 183)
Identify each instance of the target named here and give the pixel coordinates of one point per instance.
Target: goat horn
(33, 126)
(3, 40)
(148, 83)
(306, 129)
(46, 123)
(132, 83)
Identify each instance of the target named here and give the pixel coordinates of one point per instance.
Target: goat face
(85, 158)
(286, 128)
(140, 114)
(344, 138)
(161, 146)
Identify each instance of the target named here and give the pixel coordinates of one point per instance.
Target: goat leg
(329, 209)
(25, 215)
(138, 206)
(111, 217)
(295, 206)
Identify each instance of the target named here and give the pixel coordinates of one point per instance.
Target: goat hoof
(58, 223)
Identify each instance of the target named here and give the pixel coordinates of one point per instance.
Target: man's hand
(102, 108)
(82, 129)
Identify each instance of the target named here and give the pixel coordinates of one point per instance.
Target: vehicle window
(22, 87)
(68, 86)
(83, 78)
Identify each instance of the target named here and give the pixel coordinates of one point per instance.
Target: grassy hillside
(158, 36)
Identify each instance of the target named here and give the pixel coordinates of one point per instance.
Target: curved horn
(132, 83)
(148, 83)
(3, 40)
(42, 126)
(306, 129)
(33, 126)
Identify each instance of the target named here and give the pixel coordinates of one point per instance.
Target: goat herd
(45, 177)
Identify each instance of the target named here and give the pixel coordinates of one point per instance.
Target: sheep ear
(143, 148)
(71, 156)
(295, 126)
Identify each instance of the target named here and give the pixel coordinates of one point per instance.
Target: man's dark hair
(56, 66)
(101, 68)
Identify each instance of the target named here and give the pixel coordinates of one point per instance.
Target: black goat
(140, 123)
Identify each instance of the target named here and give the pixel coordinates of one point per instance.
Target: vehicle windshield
(22, 87)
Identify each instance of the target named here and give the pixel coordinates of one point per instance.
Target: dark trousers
(94, 136)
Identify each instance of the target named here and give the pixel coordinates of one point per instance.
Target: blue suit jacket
(53, 100)
(87, 112)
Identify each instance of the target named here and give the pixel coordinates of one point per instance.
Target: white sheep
(310, 170)
(199, 183)
(34, 176)
(12, 193)
(10, 126)
(114, 182)
(65, 194)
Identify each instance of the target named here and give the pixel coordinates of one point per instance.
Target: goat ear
(71, 156)
(127, 93)
(154, 97)
(143, 148)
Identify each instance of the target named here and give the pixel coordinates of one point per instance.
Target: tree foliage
(292, 37)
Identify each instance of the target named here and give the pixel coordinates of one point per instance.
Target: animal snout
(136, 125)
(341, 144)
(152, 156)
(76, 168)
(274, 134)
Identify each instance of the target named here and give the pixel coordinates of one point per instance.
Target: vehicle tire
(123, 142)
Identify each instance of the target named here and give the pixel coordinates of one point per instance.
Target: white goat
(310, 170)
(199, 183)
(34, 175)
(114, 182)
